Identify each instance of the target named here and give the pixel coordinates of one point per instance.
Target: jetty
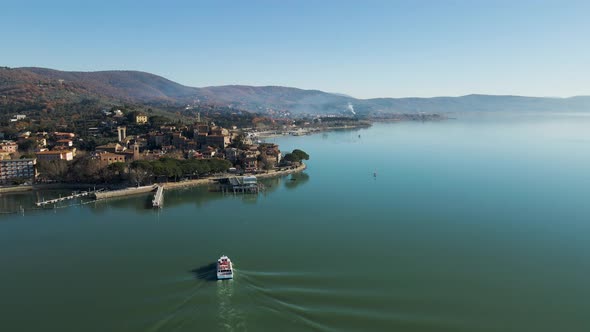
(65, 198)
(124, 192)
(158, 197)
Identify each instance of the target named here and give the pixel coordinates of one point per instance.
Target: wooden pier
(65, 198)
(158, 197)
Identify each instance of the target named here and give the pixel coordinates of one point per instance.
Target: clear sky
(361, 48)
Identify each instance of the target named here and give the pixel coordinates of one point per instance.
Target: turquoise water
(475, 224)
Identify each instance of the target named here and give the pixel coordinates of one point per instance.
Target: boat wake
(292, 300)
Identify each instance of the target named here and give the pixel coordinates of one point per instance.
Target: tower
(122, 132)
(135, 151)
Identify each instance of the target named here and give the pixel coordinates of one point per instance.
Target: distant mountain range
(49, 87)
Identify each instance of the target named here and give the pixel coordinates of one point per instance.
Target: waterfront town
(135, 152)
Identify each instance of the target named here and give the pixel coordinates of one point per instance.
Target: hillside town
(137, 152)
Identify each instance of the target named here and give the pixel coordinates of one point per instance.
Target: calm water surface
(476, 224)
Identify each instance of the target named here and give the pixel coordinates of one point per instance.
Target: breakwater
(125, 192)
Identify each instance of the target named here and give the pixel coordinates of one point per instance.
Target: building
(215, 136)
(107, 158)
(141, 118)
(59, 135)
(22, 169)
(201, 139)
(111, 147)
(250, 164)
(94, 131)
(271, 154)
(65, 142)
(41, 141)
(201, 128)
(179, 141)
(8, 147)
(158, 140)
(232, 154)
(24, 136)
(121, 133)
(220, 141)
(208, 152)
(18, 117)
(55, 155)
(219, 131)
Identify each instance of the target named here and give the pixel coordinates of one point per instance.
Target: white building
(17, 169)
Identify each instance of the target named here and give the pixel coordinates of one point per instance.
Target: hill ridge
(45, 85)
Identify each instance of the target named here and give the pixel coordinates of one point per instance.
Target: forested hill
(45, 88)
(136, 85)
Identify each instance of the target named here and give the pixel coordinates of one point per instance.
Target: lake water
(475, 224)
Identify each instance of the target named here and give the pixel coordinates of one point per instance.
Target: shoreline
(126, 191)
(200, 182)
(311, 131)
(130, 191)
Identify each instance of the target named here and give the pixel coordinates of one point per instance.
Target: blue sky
(362, 48)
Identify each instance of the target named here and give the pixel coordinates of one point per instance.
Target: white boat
(225, 269)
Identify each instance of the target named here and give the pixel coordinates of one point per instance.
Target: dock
(65, 198)
(158, 197)
(239, 184)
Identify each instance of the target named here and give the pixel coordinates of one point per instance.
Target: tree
(117, 170)
(131, 116)
(55, 170)
(291, 158)
(27, 145)
(83, 169)
(157, 121)
(238, 142)
(219, 165)
(300, 154)
(296, 156)
(141, 171)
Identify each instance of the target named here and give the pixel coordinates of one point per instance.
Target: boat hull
(225, 276)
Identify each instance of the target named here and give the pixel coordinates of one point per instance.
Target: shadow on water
(148, 203)
(206, 272)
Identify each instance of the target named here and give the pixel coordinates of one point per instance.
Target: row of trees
(80, 170)
(85, 170)
(142, 171)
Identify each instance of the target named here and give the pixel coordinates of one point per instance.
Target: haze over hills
(49, 87)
